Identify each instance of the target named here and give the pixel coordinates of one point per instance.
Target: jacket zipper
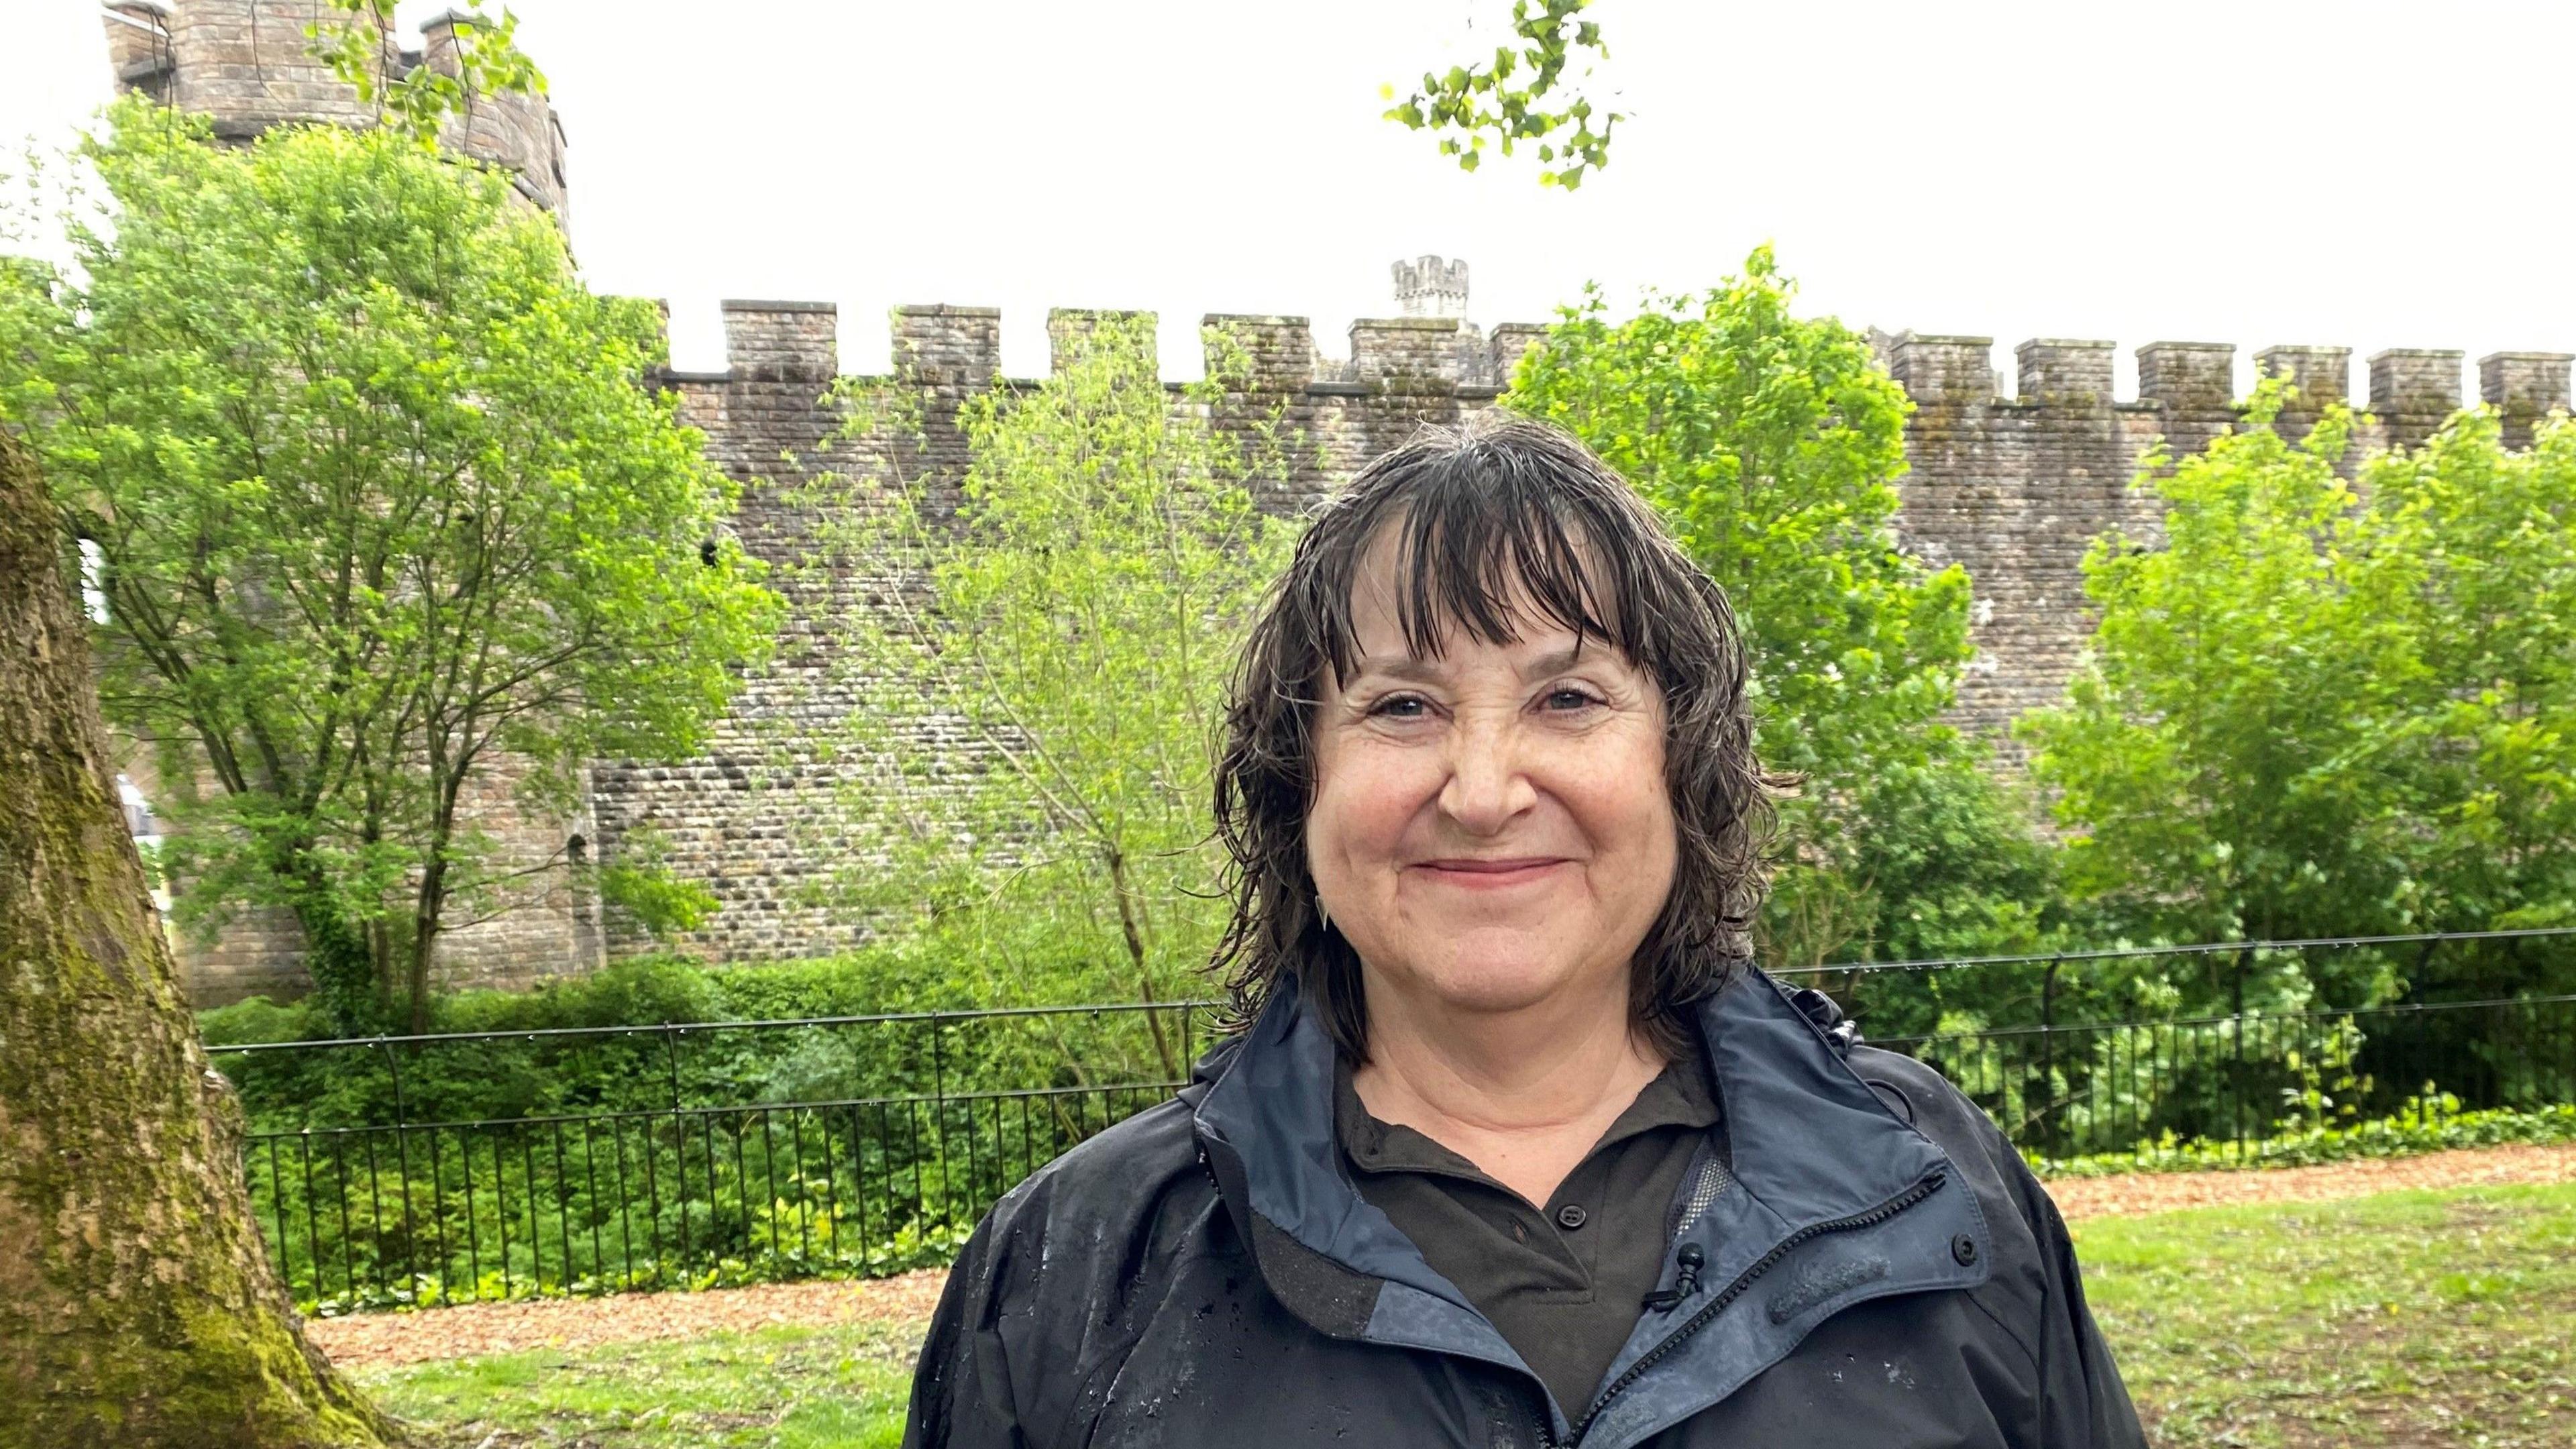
(1735, 1290)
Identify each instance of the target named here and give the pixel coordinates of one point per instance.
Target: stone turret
(518, 133)
(1431, 287)
(246, 65)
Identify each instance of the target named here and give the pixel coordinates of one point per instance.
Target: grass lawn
(777, 1388)
(2408, 1321)
(2416, 1320)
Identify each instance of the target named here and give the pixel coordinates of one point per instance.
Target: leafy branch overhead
(486, 61)
(1506, 99)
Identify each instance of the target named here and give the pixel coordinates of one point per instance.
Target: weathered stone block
(956, 346)
(2524, 384)
(1068, 328)
(1280, 351)
(1417, 354)
(2322, 375)
(2415, 380)
(1940, 370)
(2065, 373)
(783, 341)
(1512, 342)
(2187, 376)
(138, 43)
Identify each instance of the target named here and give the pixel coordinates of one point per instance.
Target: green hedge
(650, 1070)
(2428, 1124)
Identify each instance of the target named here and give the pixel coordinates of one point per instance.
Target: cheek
(1631, 812)
(1355, 814)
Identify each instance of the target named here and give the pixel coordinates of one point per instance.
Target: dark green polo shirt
(1564, 1283)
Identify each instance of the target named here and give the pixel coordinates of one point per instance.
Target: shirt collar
(1805, 1135)
(1679, 1096)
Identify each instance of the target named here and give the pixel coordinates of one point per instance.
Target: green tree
(1066, 641)
(2313, 708)
(1506, 98)
(1771, 444)
(380, 500)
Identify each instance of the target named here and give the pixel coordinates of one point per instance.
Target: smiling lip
(1476, 874)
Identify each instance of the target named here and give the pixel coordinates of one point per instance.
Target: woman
(1516, 1148)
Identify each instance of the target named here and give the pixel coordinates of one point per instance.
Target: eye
(1568, 697)
(1400, 706)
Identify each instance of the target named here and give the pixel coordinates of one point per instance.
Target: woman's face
(1491, 828)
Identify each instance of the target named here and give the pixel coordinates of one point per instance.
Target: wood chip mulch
(2161, 1192)
(371, 1340)
(474, 1329)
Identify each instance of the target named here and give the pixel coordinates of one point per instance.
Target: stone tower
(1431, 287)
(244, 65)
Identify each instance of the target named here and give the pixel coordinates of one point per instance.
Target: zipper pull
(1686, 1284)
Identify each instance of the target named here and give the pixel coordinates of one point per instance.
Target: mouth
(1476, 873)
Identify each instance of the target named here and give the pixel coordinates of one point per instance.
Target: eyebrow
(1427, 671)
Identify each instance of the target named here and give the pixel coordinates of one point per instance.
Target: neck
(1522, 1094)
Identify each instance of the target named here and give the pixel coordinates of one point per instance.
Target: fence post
(2048, 1131)
(680, 1150)
(939, 1118)
(402, 1165)
(2236, 1078)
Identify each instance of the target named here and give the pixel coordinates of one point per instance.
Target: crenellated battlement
(962, 347)
(2411, 390)
(2414, 385)
(1431, 287)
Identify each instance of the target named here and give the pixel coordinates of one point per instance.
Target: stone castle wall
(2013, 489)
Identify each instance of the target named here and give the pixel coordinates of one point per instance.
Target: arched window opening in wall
(93, 580)
(145, 827)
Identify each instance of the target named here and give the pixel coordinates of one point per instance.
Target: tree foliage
(1065, 634)
(2313, 708)
(1506, 98)
(1771, 444)
(381, 498)
(421, 100)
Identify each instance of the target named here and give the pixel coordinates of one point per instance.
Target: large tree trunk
(137, 1305)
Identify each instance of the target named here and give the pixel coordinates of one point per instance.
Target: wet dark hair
(1489, 515)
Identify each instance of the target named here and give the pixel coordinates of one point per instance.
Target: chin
(1476, 972)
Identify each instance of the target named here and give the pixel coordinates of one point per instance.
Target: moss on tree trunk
(137, 1304)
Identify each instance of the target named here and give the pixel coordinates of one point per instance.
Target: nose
(1487, 786)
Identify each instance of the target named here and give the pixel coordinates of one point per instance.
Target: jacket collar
(1270, 1109)
(1824, 1169)
(1841, 1202)
(1810, 1141)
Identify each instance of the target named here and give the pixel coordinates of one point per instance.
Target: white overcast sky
(2370, 175)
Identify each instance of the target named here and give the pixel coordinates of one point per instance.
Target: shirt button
(1572, 1216)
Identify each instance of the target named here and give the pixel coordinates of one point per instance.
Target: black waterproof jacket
(1878, 1271)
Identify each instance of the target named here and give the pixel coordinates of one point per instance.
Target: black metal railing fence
(404, 1170)
(499, 1164)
